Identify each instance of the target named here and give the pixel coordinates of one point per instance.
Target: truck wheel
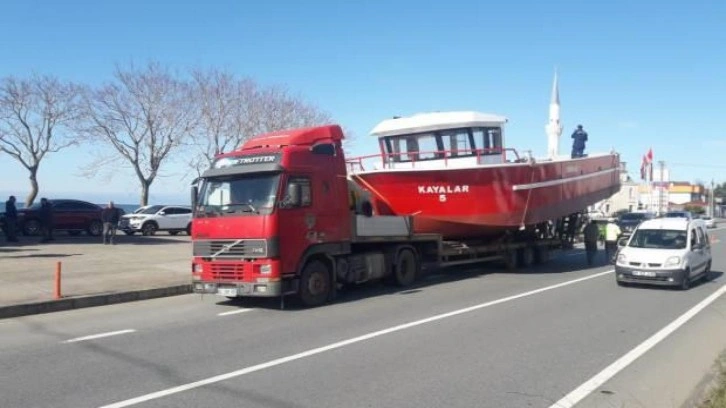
(406, 268)
(315, 283)
(526, 256)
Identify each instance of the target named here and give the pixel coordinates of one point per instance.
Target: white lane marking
(98, 336)
(234, 312)
(340, 344)
(600, 378)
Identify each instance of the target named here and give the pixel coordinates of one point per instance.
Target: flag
(650, 155)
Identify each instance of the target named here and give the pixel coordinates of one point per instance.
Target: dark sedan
(629, 221)
(74, 216)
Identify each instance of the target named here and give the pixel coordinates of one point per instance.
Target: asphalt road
(480, 338)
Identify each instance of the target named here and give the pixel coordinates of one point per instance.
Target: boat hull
(486, 200)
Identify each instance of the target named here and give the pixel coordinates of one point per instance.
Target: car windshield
(676, 214)
(151, 209)
(238, 194)
(658, 239)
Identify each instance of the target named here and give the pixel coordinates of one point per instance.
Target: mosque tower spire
(554, 126)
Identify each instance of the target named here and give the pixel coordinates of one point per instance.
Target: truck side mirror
(194, 193)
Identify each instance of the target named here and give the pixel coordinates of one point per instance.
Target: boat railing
(449, 158)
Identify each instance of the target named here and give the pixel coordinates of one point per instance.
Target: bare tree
(34, 113)
(234, 109)
(142, 116)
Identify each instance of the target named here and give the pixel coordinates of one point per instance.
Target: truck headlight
(266, 269)
(673, 261)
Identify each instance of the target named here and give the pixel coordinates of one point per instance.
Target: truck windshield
(238, 195)
(658, 239)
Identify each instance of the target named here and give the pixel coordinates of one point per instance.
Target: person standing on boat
(612, 232)
(579, 137)
(591, 235)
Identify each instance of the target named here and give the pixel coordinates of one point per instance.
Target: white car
(152, 218)
(665, 251)
(709, 221)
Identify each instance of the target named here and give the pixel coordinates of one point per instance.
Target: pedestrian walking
(110, 217)
(11, 220)
(592, 234)
(46, 220)
(612, 233)
(579, 137)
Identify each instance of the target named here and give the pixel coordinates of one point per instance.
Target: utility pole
(711, 207)
(662, 207)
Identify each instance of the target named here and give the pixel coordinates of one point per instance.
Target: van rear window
(658, 239)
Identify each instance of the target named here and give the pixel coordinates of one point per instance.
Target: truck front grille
(227, 271)
(231, 248)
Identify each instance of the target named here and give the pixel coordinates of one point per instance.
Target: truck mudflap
(238, 289)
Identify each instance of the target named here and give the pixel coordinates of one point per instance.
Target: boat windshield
(446, 143)
(239, 194)
(658, 239)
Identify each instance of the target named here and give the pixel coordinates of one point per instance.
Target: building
(672, 195)
(626, 199)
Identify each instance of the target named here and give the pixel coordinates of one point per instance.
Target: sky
(636, 74)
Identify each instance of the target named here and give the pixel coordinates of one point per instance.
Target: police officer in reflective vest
(612, 232)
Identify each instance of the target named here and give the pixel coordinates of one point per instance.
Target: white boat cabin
(442, 139)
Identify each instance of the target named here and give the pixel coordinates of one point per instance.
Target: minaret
(554, 127)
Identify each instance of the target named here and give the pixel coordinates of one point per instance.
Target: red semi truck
(280, 216)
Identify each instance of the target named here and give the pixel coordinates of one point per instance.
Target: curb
(78, 302)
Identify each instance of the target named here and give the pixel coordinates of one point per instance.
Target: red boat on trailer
(453, 174)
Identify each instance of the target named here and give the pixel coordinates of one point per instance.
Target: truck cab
(285, 189)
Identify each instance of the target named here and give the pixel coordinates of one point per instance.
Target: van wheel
(686, 283)
(315, 284)
(189, 229)
(706, 273)
(406, 268)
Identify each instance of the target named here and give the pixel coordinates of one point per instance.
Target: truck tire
(315, 283)
(405, 271)
(526, 256)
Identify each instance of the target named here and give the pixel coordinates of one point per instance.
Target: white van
(665, 251)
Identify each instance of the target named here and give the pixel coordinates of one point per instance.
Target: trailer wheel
(406, 268)
(541, 255)
(315, 283)
(510, 259)
(526, 256)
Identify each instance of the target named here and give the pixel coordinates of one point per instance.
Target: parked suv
(150, 219)
(665, 251)
(74, 216)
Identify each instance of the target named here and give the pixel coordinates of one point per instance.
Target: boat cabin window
(449, 143)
